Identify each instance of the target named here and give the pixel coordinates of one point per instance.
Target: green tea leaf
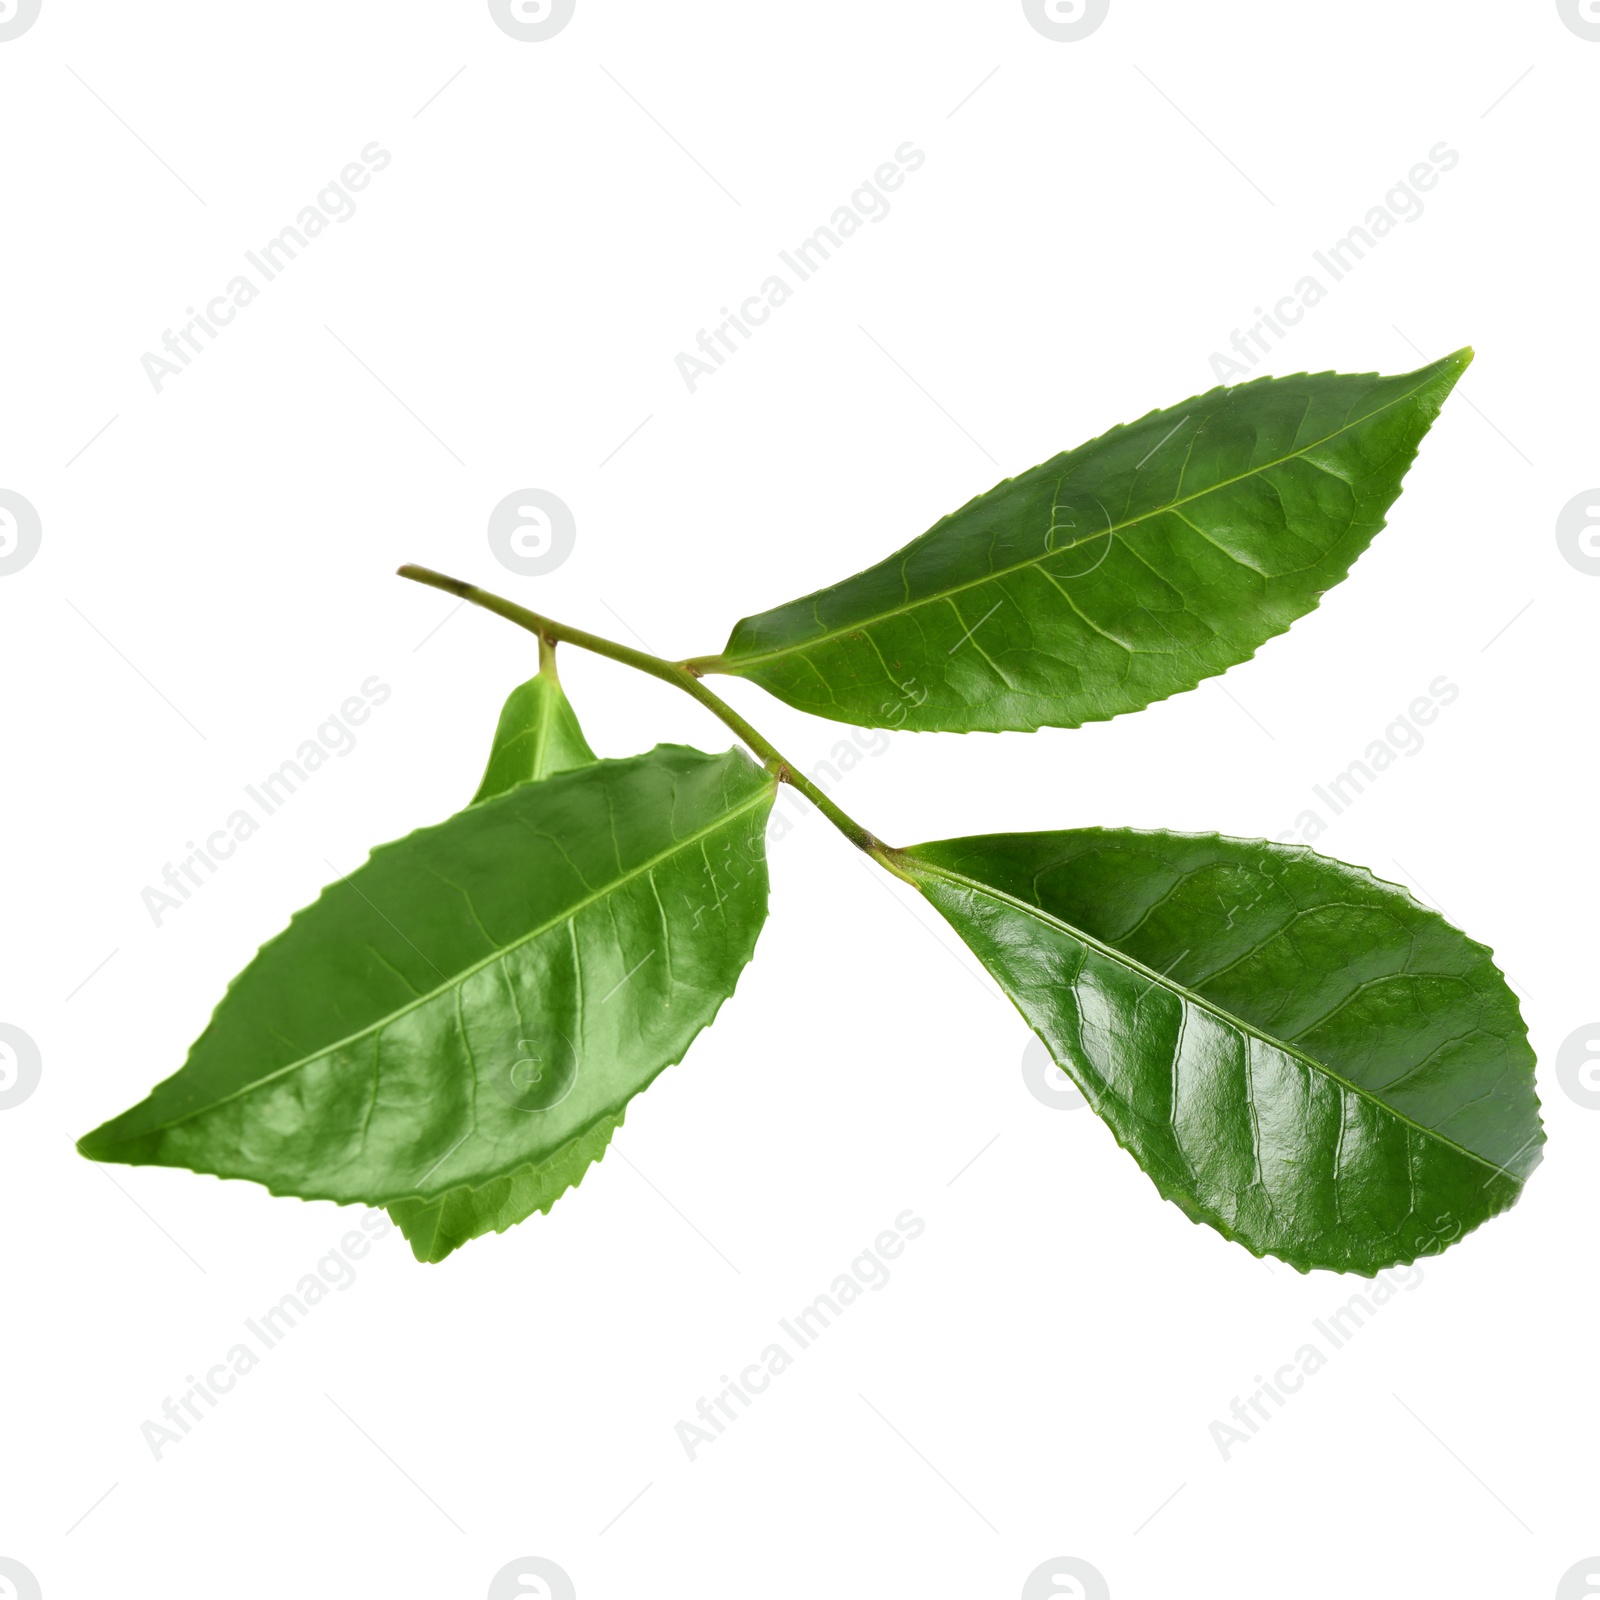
(537, 736)
(435, 1228)
(1297, 1053)
(1116, 574)
(478, 995)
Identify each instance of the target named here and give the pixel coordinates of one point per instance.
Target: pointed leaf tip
(469, 1002)
(1298, 1054)
(1114, 575)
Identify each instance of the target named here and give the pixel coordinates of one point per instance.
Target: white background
(503, 311)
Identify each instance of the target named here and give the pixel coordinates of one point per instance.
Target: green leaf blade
(436, 1228)
(537, 735)
(1113, 575)
(479, 994)
(1298, 1054)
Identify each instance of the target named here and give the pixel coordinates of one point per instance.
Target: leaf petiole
(678, 673)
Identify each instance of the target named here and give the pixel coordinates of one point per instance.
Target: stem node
(684, 674)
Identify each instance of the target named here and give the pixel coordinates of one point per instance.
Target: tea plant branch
(1299, 1055)
(677, 673)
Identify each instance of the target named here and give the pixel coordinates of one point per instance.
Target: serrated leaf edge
(723, 663)
(1201, 1215)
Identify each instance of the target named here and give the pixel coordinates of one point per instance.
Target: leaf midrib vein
(541, 736)
(460, 978)
(1161, 981)
(731, 663)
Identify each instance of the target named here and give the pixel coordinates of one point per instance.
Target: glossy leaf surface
(479, 994)
(1297, 1053)
(1113, 575)
(435, 1228)
(537, 736)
